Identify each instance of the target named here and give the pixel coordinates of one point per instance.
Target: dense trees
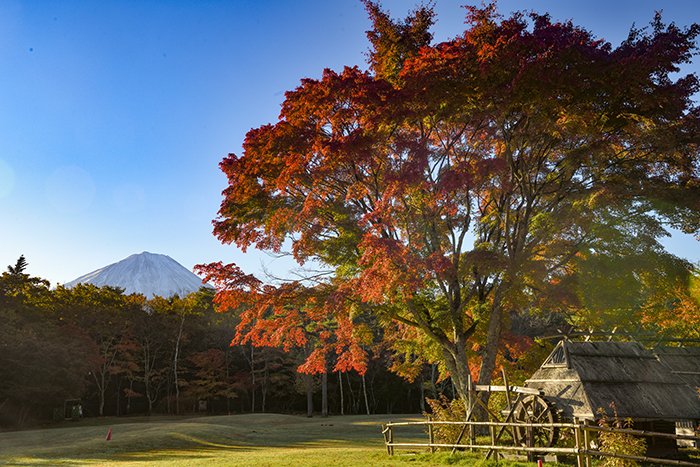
(102, 315)
(123, 354)
(455, 185)
(40, 357)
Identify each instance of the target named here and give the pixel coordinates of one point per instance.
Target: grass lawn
(245, 440)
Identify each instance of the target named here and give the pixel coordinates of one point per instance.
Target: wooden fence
(582, 435)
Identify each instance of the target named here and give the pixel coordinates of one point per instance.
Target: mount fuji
(146, 273)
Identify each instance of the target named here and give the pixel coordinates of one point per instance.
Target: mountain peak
(146, 273)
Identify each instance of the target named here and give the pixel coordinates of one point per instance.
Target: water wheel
(535, 409)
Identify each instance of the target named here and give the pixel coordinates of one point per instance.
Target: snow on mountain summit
(146, 273)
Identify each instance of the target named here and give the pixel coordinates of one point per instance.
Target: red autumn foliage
(290, 316)
(452, 183)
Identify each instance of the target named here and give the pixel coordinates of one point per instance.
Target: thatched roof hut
(583, 377)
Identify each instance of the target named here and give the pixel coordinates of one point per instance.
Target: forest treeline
(118, 354)
(113, 354)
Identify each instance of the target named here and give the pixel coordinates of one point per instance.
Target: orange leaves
(675, 311)
(391, 270)
(351, 342)
(234, 287)
(334, 101)
(291, 316)
(357, 191)
(455, 170)
(350, 358)
(315, 363)
(294, 173)
(344, 346)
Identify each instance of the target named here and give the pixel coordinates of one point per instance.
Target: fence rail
(581, 435)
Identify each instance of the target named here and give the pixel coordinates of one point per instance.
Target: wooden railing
(581, 449)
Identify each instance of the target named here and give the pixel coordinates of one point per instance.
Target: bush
(619, 443)
(444, 410)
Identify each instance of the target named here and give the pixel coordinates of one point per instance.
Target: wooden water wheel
(535, 409)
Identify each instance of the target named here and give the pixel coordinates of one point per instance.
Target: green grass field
(245, 440)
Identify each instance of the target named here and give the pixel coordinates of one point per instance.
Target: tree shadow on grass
(183, 456)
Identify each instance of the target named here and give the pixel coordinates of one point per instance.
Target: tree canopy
(453, 184)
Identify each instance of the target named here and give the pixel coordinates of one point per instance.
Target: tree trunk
(353, 403)
(458, 366)
(23, 415)
(364, 391)
(263, 387)
(488, 361)
(119, 382)
(101, 383)
(422, 395)
(252, 374)
(149, 364)
(308, 381)
(324, 394)
(493, 338)
(342, 400)
(146, 381)
(175, 357)
(147, 387)
(102, 389)
(227, 356)
(168, 399)
(128, 397)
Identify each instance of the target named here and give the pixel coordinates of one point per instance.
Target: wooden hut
(654, 389)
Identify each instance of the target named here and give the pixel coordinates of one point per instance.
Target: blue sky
(114, 115)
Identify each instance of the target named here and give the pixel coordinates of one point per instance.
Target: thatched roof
(583, 377)
(683, 362)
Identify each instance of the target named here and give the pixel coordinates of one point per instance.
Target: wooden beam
(500, 448)
(516, 389)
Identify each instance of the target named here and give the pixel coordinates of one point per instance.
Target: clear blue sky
(115, 114)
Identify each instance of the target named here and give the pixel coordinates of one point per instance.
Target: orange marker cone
(109, 434)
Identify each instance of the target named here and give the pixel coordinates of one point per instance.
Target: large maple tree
(452, 184)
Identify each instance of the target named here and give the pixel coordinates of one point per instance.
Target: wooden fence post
(391, 440)
(431, 435)
(530, 442)
(472, 433)
(385, 430)
(577, 438)
(586, 444)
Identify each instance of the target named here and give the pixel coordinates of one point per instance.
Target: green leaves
(394, 42)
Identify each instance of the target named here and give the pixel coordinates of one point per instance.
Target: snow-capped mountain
(146, 273)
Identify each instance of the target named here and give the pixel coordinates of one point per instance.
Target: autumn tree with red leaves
(453, 184)
(293, 316)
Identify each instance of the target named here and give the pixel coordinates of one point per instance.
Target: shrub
(619, 443)
(444, 410)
